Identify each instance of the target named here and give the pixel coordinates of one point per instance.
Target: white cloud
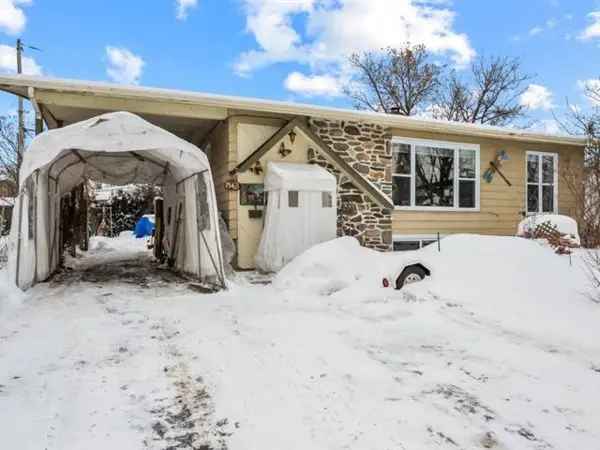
(12, 17)
(592, 84)
(323, 33)
(593, 30)
(313, 85)
(183, 7)
(8, 62)
(535, 31)
(124, 66)
(537, 97)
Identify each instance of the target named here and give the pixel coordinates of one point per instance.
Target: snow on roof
(298, 177)
(118, 132)
(20, 83)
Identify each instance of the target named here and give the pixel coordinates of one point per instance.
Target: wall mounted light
(256, 169)
(292, 136)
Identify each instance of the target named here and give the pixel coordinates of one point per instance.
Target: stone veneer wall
(366, 148)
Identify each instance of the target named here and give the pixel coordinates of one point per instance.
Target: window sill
(533, 214)
(436, 209)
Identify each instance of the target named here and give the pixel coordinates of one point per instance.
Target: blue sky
(295, 49)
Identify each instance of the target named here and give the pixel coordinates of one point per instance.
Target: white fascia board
(289, 108)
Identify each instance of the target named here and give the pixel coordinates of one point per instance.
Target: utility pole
(21, 112)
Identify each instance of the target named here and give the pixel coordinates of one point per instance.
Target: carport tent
(116, 148)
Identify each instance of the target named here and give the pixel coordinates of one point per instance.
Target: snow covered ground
(499, 349)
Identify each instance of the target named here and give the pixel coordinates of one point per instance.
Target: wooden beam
(370, 189)
(51, 121)
(39, 120)
(134, 105)
(268, 145)
(41, 113)
(203, 138)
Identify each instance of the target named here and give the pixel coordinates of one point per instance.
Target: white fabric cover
(289, 231)
(116, 148)
(282, 176)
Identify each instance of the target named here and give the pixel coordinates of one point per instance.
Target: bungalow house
(400, 181)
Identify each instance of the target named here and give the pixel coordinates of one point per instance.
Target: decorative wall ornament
(495, 166)
(292, 135)
(284, 151)
(256, 169)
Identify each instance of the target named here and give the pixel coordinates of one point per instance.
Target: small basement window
(407, 243)
(293, 199)
(327, 199)
(404, 246)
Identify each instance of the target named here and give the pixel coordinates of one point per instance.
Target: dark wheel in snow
(410, 275)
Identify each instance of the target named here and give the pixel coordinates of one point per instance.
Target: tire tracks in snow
(186, 419)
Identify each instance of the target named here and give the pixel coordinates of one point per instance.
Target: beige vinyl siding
(251, 133)
(501, 206)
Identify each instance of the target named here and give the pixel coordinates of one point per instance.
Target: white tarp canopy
(301, 212)
(117, 148)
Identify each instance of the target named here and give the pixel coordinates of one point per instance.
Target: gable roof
(222, 105)
(359, 180)
(326, 151)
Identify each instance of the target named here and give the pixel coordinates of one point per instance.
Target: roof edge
(12, 84)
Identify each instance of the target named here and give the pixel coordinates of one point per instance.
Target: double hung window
(542, 182)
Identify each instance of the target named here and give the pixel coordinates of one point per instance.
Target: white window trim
(540, 183)
(456, 146)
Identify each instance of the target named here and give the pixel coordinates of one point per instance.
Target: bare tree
(10, 159)
(394, 80)
(490, 96)
(583, 181)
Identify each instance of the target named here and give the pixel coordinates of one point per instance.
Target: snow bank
(516, 282)
(104, 250)
(3, 251)
(10, 295)
(512, 278)
(470, 267)
(125, 242)
(328, 267)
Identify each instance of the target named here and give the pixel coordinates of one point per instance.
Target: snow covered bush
(560, 232)
(583, 182)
